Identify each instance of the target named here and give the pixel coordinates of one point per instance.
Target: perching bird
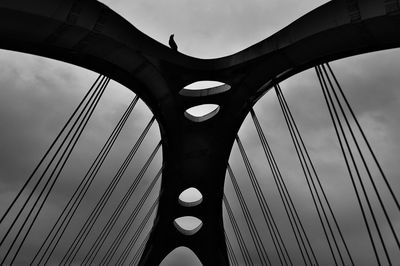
(172, 43)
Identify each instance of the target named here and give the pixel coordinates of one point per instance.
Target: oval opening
(181, 256)
(204, 88)
(188, 225)
(202, 112)
(190, 197)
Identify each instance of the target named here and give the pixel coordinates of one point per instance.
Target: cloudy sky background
(37, 95)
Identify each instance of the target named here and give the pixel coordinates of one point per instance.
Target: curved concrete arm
(57, 29)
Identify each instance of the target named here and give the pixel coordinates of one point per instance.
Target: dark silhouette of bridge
(196, 150)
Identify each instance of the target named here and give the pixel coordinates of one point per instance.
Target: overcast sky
(37, 95)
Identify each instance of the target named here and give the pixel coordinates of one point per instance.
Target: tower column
(196, 156)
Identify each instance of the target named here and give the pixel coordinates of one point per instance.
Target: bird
(172, 43)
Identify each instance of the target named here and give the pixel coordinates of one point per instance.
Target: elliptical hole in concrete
(204, 88)
(201, 112)
(188, 225)
(190, 197)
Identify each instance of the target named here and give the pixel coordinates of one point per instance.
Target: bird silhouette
(172, 43)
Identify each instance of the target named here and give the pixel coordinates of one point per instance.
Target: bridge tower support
(89, 34)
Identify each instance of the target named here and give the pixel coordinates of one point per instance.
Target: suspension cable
(365, 139)
(127, 250)
(230, 250)
(81, 190)
(127, 225)
(111, 222)
(280, 247)
(139, 252)
(49, 149)
(362, 157)
(333, 110)
(304, 157)
(258, 243)
(113, 248)
(301, 163)
(360, 152)
(98, 204)
(290, 209)
(88, 225)
(51, 181)
(242, 245)
(331, 107)
(51, 161)
(117, 212)
(230, 258)
(87, 117)
(326, 201)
